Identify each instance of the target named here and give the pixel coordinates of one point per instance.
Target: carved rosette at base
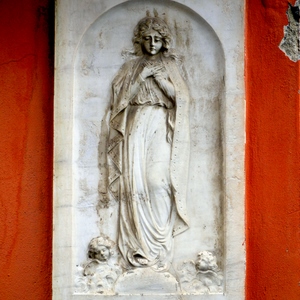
(147, 282)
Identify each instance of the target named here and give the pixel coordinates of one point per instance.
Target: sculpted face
(152, 42)
(102, 254)
(206, 261)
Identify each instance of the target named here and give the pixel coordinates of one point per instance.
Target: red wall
(26, 114)
(26, 109)
(272, 157)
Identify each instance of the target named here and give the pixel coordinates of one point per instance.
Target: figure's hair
(95, 243)
(206, 261)
(149, 23)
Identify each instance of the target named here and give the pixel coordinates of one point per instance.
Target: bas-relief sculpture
(202, 65)
(202, 276)
(149, 148)
(148, 164)
(98, 275)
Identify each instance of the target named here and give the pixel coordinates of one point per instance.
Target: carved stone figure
(98, 276)
(99, 248)
(149, 148)
(206, 261)
(202, 276)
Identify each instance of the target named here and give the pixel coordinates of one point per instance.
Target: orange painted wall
(26, 114)
(272, 157)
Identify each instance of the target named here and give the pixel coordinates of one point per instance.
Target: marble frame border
(227, 19)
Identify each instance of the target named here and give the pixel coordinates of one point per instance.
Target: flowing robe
(148, 167)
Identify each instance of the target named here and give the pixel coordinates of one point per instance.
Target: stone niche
(149, 150)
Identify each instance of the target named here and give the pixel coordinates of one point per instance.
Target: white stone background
(88, 55)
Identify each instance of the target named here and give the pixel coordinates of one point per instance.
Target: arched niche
(98, 58)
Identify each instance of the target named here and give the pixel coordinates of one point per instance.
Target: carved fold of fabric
(146, 206)
(149, 151)
(180, 146)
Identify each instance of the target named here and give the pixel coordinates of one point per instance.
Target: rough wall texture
(26, 109)
(272, 157)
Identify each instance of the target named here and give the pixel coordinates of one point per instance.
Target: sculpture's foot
(142, 261)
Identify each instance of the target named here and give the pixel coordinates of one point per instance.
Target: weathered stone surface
(147, 282)
(192, 174)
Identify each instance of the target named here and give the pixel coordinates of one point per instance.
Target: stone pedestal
(147, 282)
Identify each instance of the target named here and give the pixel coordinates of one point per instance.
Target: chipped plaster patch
(290, 44)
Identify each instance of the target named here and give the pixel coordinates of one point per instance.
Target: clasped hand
(157, 71)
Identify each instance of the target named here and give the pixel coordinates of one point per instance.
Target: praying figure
(148, 148)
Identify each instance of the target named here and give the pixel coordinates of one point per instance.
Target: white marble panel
(93, 39)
